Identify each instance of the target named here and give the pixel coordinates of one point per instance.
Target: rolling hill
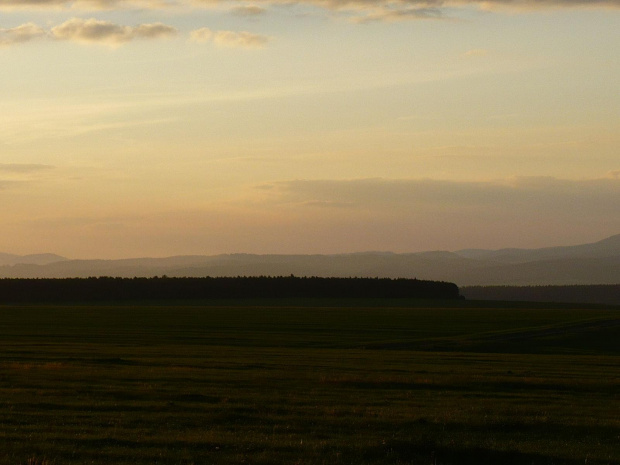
(595, 263)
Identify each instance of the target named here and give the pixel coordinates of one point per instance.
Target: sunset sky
(166, 127)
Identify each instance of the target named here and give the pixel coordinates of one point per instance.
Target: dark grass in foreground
(309, 385)
(601, 293)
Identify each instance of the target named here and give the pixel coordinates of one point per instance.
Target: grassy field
(309, 384)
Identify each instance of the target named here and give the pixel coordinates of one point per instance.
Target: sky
(175, 127)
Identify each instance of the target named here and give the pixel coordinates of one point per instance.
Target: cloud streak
(335, 216)
(94, 31)
(104, 32)
(423, 214)
(23, 168)
(14, 175)
(231, 39)
(204, 34)
(88, 5)
(20, 34)
(89, 31)
(362, 10)
(385, 14)
(546, 193)
(241, 39)
(249, 10)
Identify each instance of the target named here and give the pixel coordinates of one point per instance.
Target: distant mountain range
(596, 263)
(37, 259)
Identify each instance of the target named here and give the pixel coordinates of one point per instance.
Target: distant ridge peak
(32, 259)
(611, 239)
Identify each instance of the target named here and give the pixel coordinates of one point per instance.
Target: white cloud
(241, 39)
(96, 31)
(20, 34)
(476, 52)
(234, 39)
(249, 10)
(383, 14)
(154, 31)
(203, 34)
(91, 30)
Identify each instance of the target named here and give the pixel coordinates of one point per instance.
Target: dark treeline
(164, 288)
(590, 294)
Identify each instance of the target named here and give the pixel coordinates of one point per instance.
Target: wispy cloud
(389, 10)
(88, 5)
(476, 52)
(548, 193)
(329, 216)
(388, 14)
(249, 10)
(32, 4)
(204, 34)
(20, 34)
(97, 31)
(242, 39)
(4, 184)
(14, 175)
(418, 214)
(23, 167)
(86, 31)
(614, 174)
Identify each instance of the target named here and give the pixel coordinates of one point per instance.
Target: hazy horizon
(360, 252)
(151, 128)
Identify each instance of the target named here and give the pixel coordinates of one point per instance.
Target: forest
(106, 289)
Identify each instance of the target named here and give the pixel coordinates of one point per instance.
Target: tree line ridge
(166, 288)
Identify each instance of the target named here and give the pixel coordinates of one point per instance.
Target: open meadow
(376, 382)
